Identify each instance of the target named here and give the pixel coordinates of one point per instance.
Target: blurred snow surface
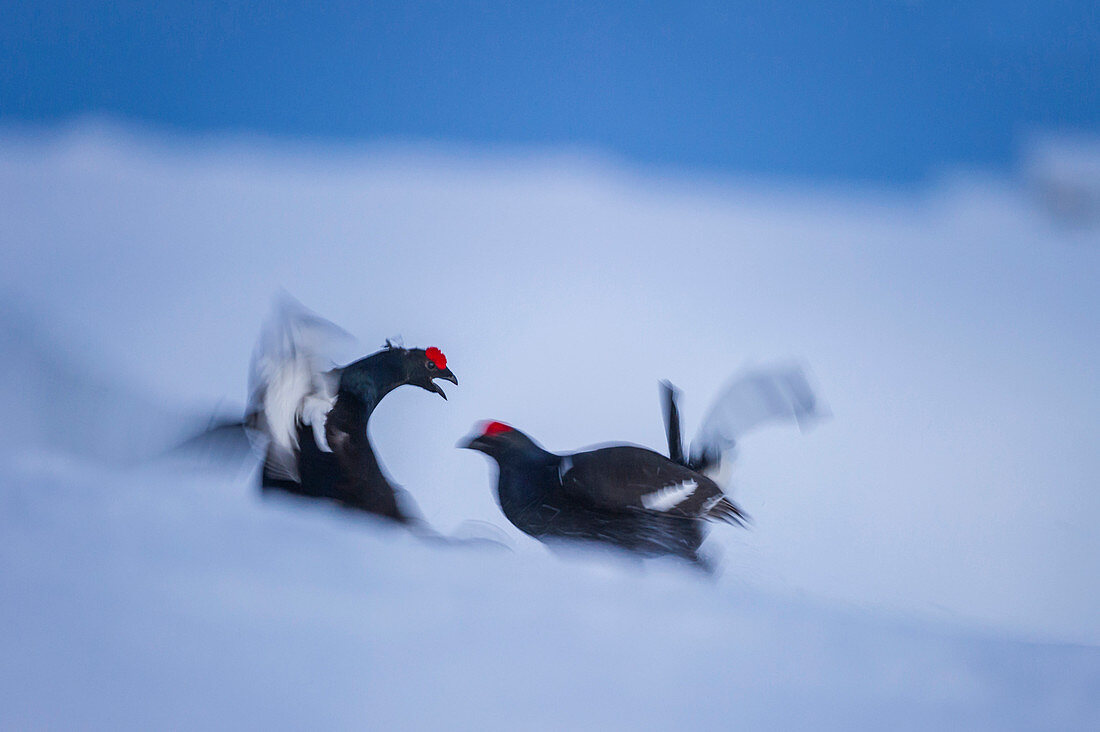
(926, 560)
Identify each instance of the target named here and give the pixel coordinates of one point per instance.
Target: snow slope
(925, 559)
(132, 600)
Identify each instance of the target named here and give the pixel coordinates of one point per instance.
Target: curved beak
(446, 375)
(472, 442)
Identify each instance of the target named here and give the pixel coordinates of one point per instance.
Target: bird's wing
(754, 398)
(290, 383)
(222, 438)
(626, 478)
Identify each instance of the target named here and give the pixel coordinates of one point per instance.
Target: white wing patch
(317, 404)
(289, 383)
(670, 496)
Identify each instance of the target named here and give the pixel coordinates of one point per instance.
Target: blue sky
(883, 91)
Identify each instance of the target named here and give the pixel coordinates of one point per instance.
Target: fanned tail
(726, 510)
(754, 398)
(669, 396)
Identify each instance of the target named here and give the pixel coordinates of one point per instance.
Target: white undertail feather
(753, 398)
(291, 383)
(669, 497)
(719, 471)
(710, 503)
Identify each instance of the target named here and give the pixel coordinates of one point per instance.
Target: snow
(924, 559)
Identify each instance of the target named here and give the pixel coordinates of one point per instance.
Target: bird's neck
(522, 484)
(372, 378)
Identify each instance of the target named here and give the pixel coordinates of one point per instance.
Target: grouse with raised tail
(627, 496)
(632, 497)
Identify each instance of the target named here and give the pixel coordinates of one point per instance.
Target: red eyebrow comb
(436, 356)
(495, 428)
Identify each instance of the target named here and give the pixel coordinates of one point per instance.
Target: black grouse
(310, 421)
(632, 497)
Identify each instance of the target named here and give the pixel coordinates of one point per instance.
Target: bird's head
(373, 377)
(423, 366)
(498, 440)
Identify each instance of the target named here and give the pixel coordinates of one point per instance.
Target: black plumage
(671, 410)
(312, 423)
(626, 496)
